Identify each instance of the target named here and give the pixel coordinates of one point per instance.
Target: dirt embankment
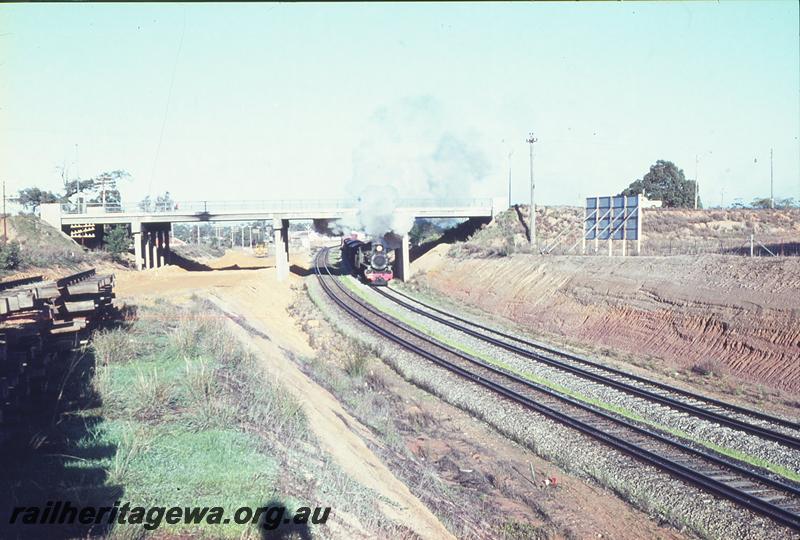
(721, 313)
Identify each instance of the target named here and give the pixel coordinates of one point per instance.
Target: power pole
(530, 140)
(509, 177)
(771, 192)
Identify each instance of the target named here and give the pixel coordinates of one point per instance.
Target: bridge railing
(283, 205)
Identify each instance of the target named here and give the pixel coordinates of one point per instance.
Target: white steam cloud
(411, 151)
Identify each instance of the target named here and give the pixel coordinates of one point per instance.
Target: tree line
(102, 188)
(667, 183)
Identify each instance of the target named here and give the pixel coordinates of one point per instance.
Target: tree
(760, 202)
(118, 241)
(763, 202)
(667, 183)
(105, 188)
(423, 230)
(146, 204)
(72, 187)
(33, 197)
(164, 202)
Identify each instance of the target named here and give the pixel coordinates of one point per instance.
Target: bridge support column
(167, 233)
(136, 232)
(148, 244)
(280, 229)
(402, 261)
(159, 262)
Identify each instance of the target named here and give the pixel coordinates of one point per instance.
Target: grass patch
(191, 420)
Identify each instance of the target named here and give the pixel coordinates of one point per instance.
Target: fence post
(751, 244)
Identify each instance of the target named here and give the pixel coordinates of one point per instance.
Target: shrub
(709, 366)
(9, 255)
(114, 346)
(151, 396)
(355, 358)
(118, 242)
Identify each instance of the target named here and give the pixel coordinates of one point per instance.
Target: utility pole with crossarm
(530, 140)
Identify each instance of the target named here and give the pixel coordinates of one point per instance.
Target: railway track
(765, 495)
(733, 416)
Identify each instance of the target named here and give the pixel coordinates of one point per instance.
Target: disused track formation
(723, 413)
(39, 320)
(760, 493)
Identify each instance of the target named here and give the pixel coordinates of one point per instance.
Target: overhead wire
(166, 108)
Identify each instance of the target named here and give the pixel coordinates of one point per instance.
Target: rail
(584, 372)
(392, 330)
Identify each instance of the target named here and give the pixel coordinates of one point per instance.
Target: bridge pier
(150, 245)
(136, 232)
(402, 262)
(280, 228)
(147, 250)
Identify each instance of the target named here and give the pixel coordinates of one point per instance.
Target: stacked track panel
(40, 320)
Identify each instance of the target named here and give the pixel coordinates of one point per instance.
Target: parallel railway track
(726, 414)
(778, 500)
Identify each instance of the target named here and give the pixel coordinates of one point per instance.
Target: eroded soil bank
(724, 314)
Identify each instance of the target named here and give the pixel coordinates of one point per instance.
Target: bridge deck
(189, 212)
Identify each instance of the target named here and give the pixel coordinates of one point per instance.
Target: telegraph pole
(771, 192)
(530, 140)
(509, 177)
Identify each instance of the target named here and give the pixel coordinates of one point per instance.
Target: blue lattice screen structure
(613, 218)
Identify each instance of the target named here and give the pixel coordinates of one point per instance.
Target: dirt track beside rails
(255, 295)
(454, 435)
(725, 314)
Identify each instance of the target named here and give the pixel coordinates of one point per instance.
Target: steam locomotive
(368, 260)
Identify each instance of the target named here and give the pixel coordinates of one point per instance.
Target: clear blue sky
(283, 101)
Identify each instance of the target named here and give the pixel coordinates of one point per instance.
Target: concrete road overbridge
(151, 226)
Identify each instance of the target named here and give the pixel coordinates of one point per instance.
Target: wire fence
(762, 246)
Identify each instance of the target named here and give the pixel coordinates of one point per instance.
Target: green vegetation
(9, 255)
(177, 412)
(43, 246)
(192, 418)
(621, 411)
(118, 241)
(103, 187)
(665, 182)
(424, 230)
(782, 203)
(162, 203)
(33, 197)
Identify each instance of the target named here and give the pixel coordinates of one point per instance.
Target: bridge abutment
(402, 261)
(280, 228)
